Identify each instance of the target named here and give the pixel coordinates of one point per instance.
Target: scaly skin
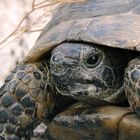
(132, 84)
(27, 98)
(24, 100)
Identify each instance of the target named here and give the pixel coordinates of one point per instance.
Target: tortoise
(85, 60)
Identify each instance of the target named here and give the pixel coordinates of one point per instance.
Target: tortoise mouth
(82, 90)
(88, 93)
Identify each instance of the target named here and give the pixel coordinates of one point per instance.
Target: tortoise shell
(113, 23)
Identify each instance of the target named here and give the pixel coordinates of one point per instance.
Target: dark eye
(93, 60)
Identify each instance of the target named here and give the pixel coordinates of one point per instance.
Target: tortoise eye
(93, 60)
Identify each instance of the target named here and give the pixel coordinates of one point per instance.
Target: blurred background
(21, 22)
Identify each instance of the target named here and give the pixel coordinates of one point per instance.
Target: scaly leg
(23, 100)
(132, 84)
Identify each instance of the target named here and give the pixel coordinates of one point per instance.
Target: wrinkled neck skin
(88, 72)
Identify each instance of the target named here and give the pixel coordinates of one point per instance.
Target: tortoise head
(87, 71)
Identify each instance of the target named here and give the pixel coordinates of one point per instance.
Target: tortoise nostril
(56, 64)
(57, 58)
(54, 59)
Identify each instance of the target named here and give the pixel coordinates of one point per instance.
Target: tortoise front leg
(132, 84)
(23, 100)
(82, 121)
